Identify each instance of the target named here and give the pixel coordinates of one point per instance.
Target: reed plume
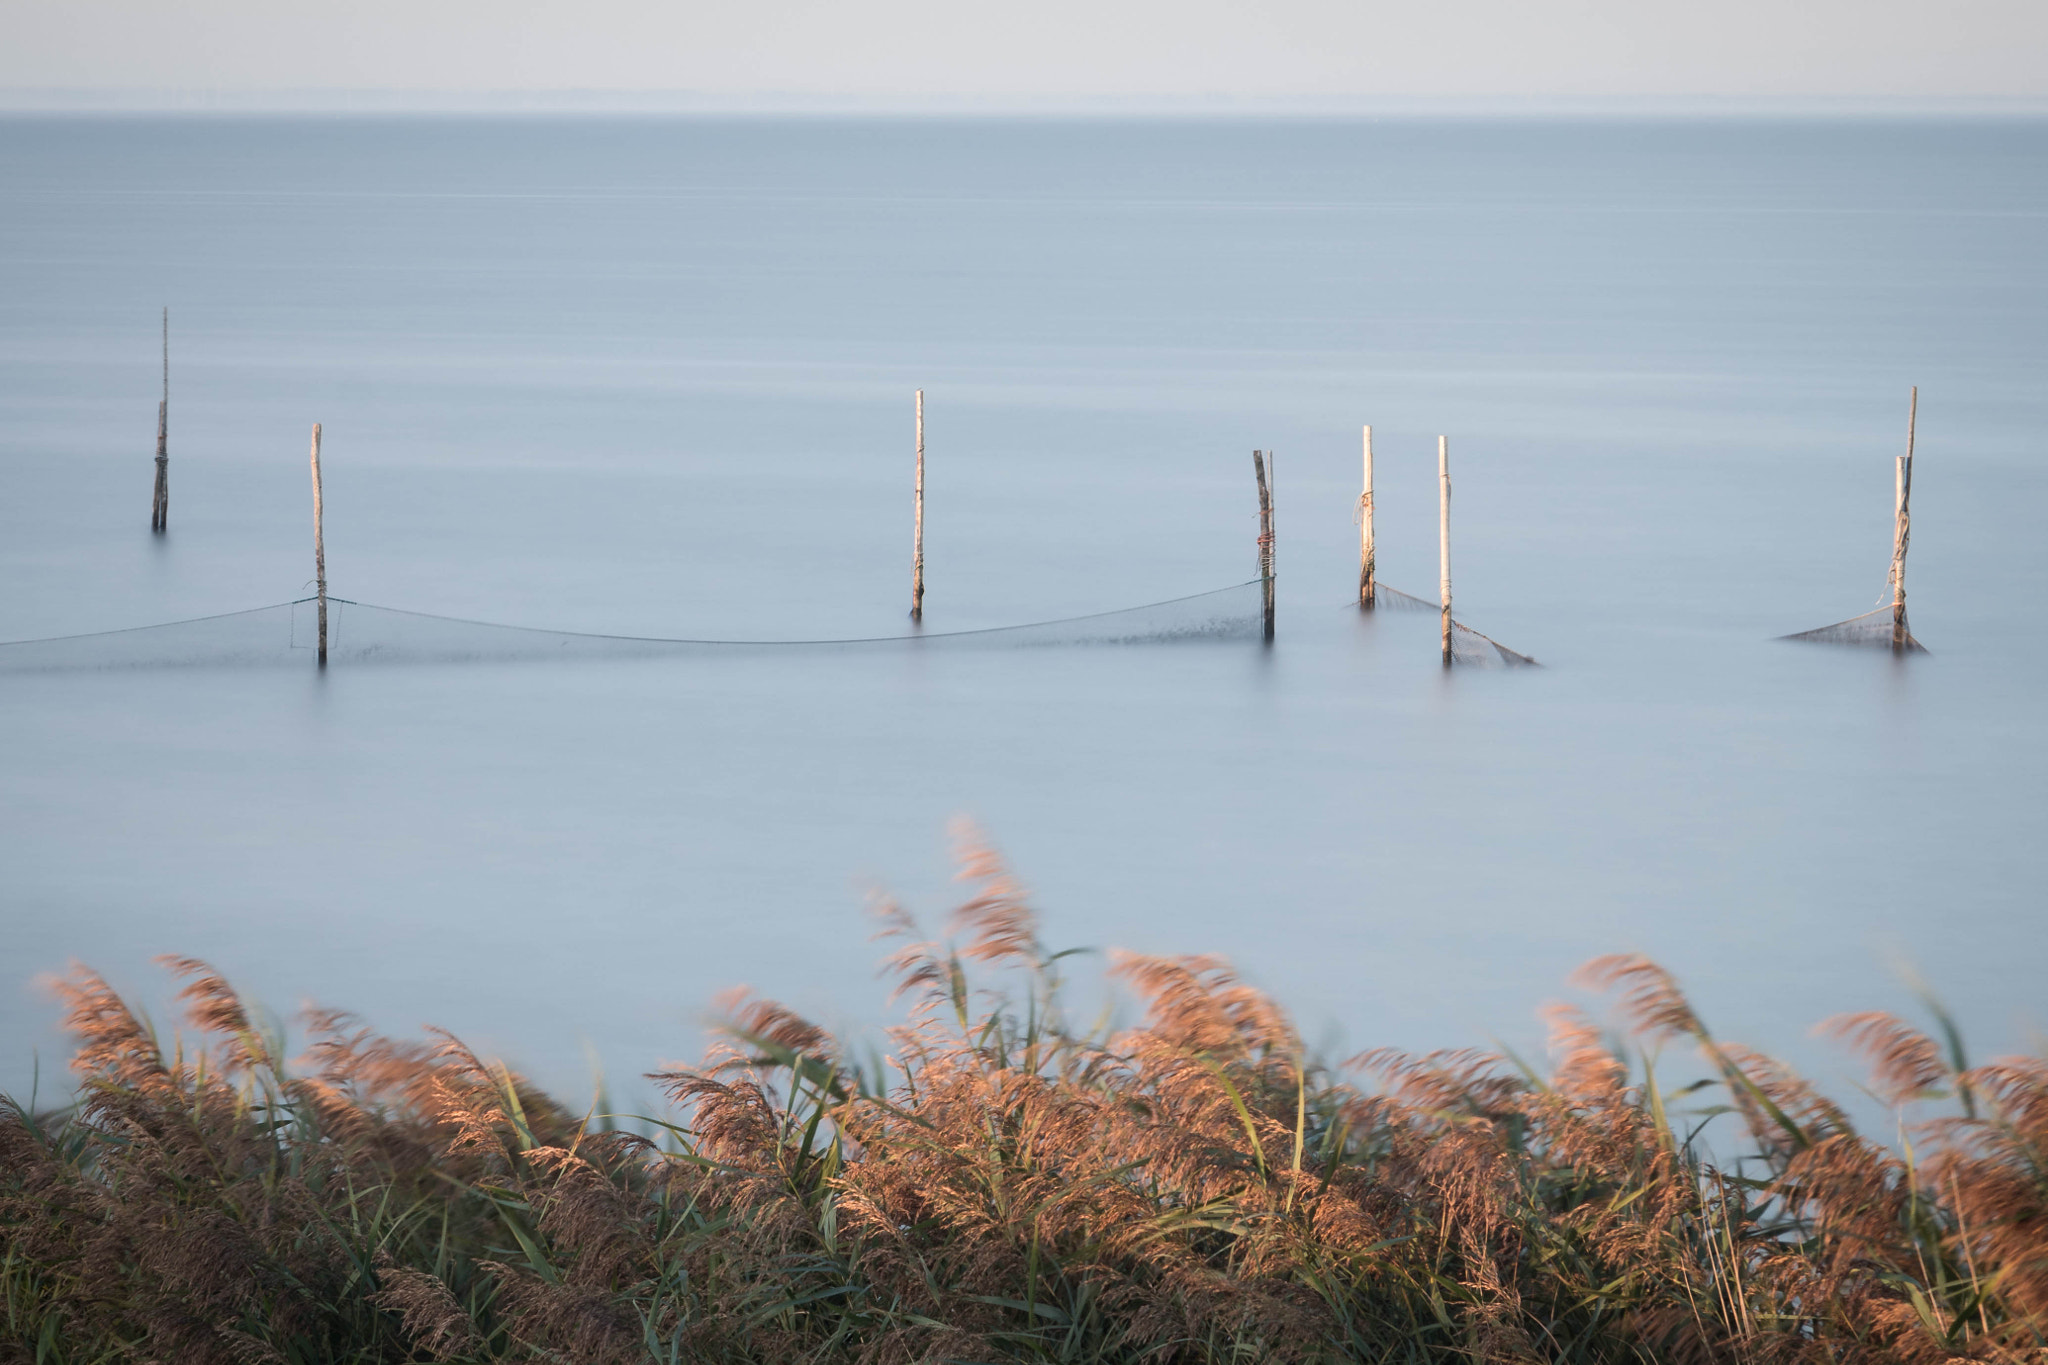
(1002, 1186)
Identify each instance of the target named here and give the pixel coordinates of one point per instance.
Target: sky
(1048, 54)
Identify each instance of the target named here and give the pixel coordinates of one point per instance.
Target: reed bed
(1005, 1186)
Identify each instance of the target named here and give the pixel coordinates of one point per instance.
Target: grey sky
(1078, 52)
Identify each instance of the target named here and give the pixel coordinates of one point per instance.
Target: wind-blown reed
(1007, 1187)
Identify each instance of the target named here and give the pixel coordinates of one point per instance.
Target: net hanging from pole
(1886, 627)
(363, 633)
(1468, 646)
(1873, 628)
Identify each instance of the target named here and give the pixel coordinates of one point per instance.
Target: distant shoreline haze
(33, 100)
(1057, 56)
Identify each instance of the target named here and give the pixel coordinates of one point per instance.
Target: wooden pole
(319, 548)
(1265, 539)
(1902, 527)
(1367, 597)
(160, 501)
(917, 523)
(1443, 529)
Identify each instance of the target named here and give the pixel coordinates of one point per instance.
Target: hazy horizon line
(199, 100)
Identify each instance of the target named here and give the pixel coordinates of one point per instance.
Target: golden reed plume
(1004, 1187)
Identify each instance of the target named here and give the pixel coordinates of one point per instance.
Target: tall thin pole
(1265, 539)
(160, 501)
(1902, 527)
(1443, 530)
(917, 523)
(319, 548)
(1367, 598)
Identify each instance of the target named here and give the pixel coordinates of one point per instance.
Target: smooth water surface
(654, 377)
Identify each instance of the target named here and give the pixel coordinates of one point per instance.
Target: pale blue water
(654, 377)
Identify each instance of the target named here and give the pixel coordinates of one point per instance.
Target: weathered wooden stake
(1902, 528)
(1367, 597)
(160, 502)
(319, 549)
(917, 524)
(1265, 539)
(1443, 528)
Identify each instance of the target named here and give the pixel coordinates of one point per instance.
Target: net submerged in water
(362, 633)
(1872, 628)
(1885, 628)
(1468, 646)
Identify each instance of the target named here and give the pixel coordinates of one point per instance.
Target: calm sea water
(655, 377)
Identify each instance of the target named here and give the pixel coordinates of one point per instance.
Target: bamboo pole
(1902, 526)
(1368, 596)
(1265, 540)
(319, 548)
(917, 523)
(1443, 529)
(160, 500)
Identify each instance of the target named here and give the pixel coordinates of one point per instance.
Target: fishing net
(1468, 646)
(1872, 628)
(1885, 627)
(361, 633)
